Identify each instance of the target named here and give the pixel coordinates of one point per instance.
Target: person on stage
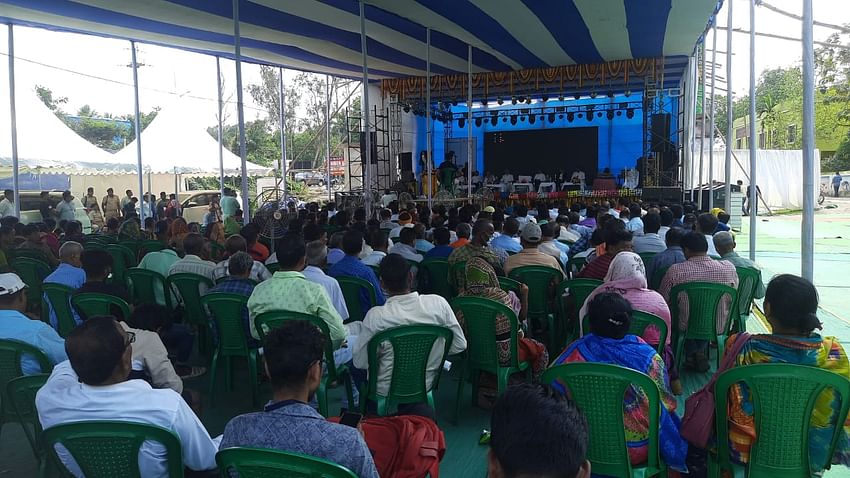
(507, 178)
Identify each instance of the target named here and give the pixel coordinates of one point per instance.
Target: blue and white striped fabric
(324, 35)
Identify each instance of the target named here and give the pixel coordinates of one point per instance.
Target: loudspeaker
(660, 128)
(405, 162)
(373, 136)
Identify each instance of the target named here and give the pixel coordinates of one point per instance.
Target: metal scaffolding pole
(727, 170)
(138, 130)
(753, 199)
(328, 135)
(13, 120)
(220, 126)
(240, 110)
(365, 156)
(807, 234)
(702, 121)
(428, 130)
(282, 120)
(711, 119)
(469, 151)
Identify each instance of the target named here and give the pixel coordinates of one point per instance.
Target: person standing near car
(127, 198)
(836, 182)
(161, 205)
(229, 204)
(111, 205)
(93, 208)
(7, 204)
(66, 209)
(44, 206)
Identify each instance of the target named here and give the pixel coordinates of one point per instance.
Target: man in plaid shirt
(698, 267)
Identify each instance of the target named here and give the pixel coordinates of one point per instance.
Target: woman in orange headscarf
(179, 230)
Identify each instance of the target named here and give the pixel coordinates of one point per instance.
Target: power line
(762, 3)
(782, 37)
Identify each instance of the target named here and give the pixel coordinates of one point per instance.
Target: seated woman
(481, 281)
(627, 277)
(790, 304)
(610, 316)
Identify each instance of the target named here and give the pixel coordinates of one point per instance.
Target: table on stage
(604, 184)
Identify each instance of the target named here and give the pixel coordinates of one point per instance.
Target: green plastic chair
(411, 348)
(34, 254)
(95, 246)
(434, 277)
(566, 242)
(144, 283)
(704, 300)
(216, 251)
(575, 265)
(265, 463)
(226, 311)
(273, 267)
(598, 390)
(351, 287)
(479, 315)
(541, 282)
(456, 272)
(58, 298)
(149, 246)
(188, 287)
(783, 398)
(20, 392)
(108, 449)
(11, 352)
(579, 290)
(122, 259)
(134, 246)
(32, 272)
(657, 277)
(640, 322)
(335, 372)
(509, 285)
(748, 280)
(91, 304)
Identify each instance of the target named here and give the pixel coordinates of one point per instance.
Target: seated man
(548, 244)
(666, 258)
(406, 245)
(15, 325)
(617, 239)
(34, 240)
(441, 248)
(98, 266)
(482, 232)
(508, 240)
(69, 273)
(317, 259)
(232, 245)
(464, 231)
(150, 357)
(293, 356)
(238, 281)
(536, 432)
(193, 246)
(650, 241)
(378, 241)
(350, 265)
(422, 244)
(404, 307)
(707, 224)
(530, 255)
(93, 385)
(724, 242)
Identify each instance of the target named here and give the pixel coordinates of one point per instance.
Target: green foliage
(46, 96)
(841, 160)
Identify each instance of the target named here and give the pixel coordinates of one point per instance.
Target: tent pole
(220, 126)
(727, 169)
(328, 135)
(282, 120)
(13, 121)
(246, 214)
(469, 151)
(807, 235)
(365, 156)
(701, 94)
(692, 121)
(686, 125)
(711, 120)
(138, 129)
(753, 199)
(428, 131)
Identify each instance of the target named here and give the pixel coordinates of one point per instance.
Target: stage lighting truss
(542, 113)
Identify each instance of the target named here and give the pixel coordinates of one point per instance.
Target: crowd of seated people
(133, 368)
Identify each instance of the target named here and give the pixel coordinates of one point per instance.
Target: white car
(30, 201)
(197, 203)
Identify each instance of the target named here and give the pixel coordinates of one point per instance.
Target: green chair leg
(228, 373)
(503, 377)
(460, 383)
(322, 397)
(349, 390)
(213, 368)
(252, 376)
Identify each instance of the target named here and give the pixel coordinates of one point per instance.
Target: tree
(46, 96)
(841, 160)
(832, 65)
(267, 95)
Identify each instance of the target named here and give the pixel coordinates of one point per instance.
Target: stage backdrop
(547, 150)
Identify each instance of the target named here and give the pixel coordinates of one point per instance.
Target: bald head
(724, 242)
(317, 253)
(70, 253)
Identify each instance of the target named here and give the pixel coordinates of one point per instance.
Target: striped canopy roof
(324, 35)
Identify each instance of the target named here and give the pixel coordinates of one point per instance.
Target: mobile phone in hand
(351, 419)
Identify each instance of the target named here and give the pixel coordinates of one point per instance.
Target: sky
(168, 73)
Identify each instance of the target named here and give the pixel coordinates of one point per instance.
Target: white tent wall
(779, 174)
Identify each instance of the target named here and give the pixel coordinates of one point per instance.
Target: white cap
(10, 283)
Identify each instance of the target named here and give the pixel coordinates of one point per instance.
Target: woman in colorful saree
(627, 277)
(608, 342)
(481, 281)
(790, 304)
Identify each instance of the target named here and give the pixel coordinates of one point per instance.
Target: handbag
(698, 422)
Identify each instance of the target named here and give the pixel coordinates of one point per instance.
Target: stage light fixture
(579, 116)
(531, 119)
(522, 118)
(513, 120)
(504, 119)
(589, 116)
(494, 120)
(560, 116)
(571, 116)
(630, 113)
(551, 117)
(478, 122)
(407, 108)
(610, 114)
(628, 93)
(513, 100)
(593, 95)
(545, 98)
(499, 101)
(619, 113)
(561, 98)
(598, 114)
(528, 100)
(461, 122)
(577, 96)
(610, 94)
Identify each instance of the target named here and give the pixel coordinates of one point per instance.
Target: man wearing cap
(529, 255)
(17, 326)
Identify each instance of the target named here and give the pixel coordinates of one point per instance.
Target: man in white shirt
(379, 243)
(192, 263)
(405, 308)
(650, 241)
(707, 224)
(405, 247)
(232, 245)
(317, 258)
(7, 204)
(93, 385)
(507, 178)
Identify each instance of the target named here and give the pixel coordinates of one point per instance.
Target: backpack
(404, 446)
